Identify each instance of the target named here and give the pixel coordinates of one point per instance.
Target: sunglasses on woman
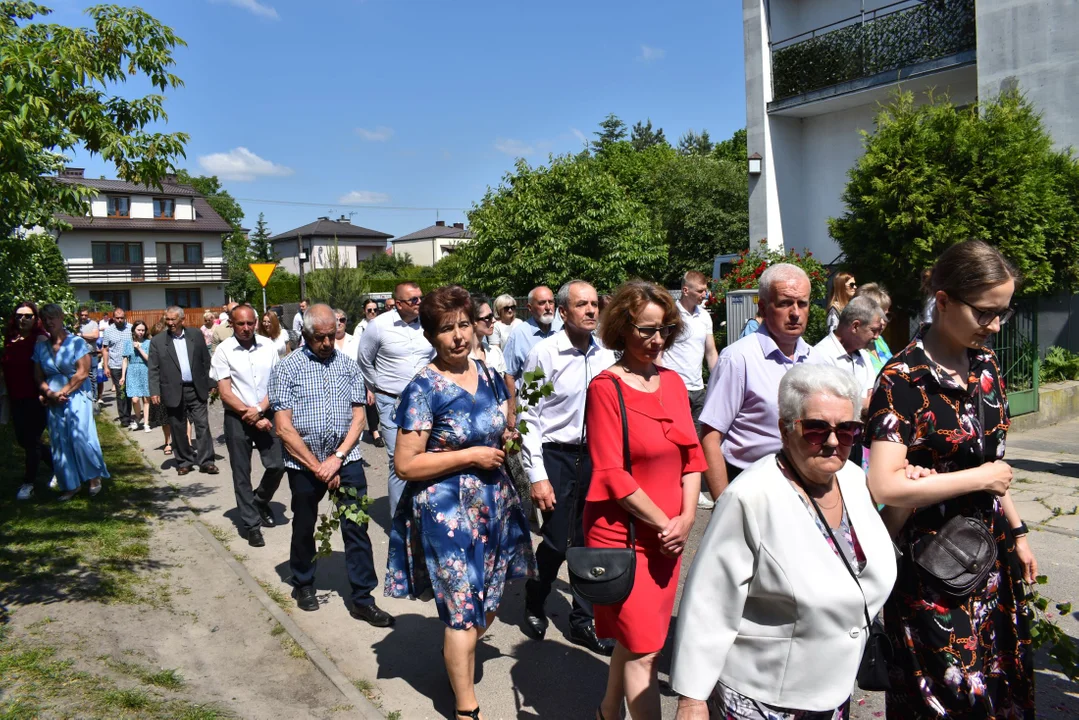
(371, 310)
(488, 318)
(24, 316)
(817, 432)
(647, 332)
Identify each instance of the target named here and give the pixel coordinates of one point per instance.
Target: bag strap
(490, 382)
(824, 522)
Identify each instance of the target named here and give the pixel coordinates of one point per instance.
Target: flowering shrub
(751, 264)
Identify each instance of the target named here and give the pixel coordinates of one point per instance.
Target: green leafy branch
(1045, 632)
(532, 390)
(345, 502)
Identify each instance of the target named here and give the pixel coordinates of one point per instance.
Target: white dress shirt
(686, 355)
(496, 361)
(248, 369)
(830, 351)
(179, 344)
(559, 417)
(392, 352)
(769, 609)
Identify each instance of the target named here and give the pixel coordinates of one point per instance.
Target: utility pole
(299, 262)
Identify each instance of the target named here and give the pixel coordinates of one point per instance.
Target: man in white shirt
(695, 346)
(242, 366)
(860, 324)
(297, 320)
(555, 456)
(392, 351)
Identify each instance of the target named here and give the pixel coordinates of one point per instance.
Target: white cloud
(516, 148)
(241, 164)
(379, 134)
(254, 7)
(649, 54)
(578, 134)
(363, 197)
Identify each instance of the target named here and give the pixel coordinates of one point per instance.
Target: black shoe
(305, 598)
(586, 637)
(373, 615)
(378, 442)
(254, 538)
(535, 623)
(265, 513)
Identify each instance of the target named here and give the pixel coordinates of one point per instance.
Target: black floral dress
(954, 657)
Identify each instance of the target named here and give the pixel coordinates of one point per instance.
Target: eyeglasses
(411, 301)
(817, 432)
(25, 316)
(488, 318)
(342, 320)
(647, 332)
(985, 317)
(509, 309)
(371, 310)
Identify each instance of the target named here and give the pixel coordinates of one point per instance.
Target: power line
(347, 205)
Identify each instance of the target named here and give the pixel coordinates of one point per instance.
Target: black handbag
(604, 576)
(873, 669)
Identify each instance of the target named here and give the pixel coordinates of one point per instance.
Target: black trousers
(240, 438)
(371, 411)
(29, 418)
(193, 409)
(696, 405)
(307, 492)
(123, 402)
(558, 526)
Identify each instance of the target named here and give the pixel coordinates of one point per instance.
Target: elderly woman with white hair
(505, 320)
(775, 613)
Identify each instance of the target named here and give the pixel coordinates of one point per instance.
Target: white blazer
(768, 608)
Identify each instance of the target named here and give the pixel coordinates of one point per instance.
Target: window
(116, 253)
(179, 254)
(119, 206)
(183, 297)
(164, 208)
(116, 298)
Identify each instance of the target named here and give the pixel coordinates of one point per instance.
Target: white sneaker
(25, 492)
(704, 503)
(133, 426)
(54, 484)
(147, 428)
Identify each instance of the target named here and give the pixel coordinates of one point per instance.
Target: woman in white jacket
(772, 625)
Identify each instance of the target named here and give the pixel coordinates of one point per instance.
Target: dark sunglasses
(509, 309)
(985, 318)
(817, 432)
(371, 310)
(647, 332)
(25, 316)
(342, 320)
(488, 318)
(412, 301)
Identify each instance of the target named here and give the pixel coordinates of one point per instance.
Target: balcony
(150, 272)
(875, 48)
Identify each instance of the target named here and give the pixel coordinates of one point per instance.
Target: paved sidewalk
(520, 678)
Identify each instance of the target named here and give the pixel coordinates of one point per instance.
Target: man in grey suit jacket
(179, 370)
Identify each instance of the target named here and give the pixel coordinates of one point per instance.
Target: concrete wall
(1033, 44)
(421, 251)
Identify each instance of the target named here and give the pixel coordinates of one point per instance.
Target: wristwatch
(339, 455)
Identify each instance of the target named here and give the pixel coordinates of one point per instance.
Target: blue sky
(351, 104)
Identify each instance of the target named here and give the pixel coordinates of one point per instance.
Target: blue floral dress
(462, 536)
(138, 377)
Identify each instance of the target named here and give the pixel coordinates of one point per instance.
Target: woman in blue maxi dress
(60, 362)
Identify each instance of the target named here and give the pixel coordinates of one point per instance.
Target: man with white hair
(860, 324)
(740, 422)
(543, 324)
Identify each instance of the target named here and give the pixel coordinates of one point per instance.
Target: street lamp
(755, 164)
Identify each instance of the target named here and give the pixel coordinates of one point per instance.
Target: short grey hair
(562, 298)
(504, 301)
(175, 309)
(805, 380)
(315, 313)
(532, 292)
(780, 272)
(860, 309)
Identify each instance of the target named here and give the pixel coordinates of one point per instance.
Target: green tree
(692, 143)
(388, 265)
(33, 270)
(732, 149)
(550, 224)
(338, 285)
(933, 175)
(612, 130)
(261, 249)
(284, 287)
(643, 136)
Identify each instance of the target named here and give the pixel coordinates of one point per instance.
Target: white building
(353, 243)
(428, 246)
(143, 248)
(817, 69)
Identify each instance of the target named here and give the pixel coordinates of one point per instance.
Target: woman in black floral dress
(941, 404)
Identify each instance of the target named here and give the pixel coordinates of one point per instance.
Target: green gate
(1017, 353)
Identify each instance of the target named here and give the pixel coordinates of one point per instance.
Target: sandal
(66, 496)
(95, 488)
(474, 714)
(168, 448)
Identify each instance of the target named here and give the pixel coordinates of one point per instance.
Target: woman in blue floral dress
(459, 533)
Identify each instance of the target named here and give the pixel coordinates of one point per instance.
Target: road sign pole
(263, 301)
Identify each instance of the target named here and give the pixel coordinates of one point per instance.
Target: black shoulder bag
(873, 670)
(604, 576)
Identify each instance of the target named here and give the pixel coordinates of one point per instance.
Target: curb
(361, 706)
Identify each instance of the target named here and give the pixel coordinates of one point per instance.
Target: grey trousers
(193, 409)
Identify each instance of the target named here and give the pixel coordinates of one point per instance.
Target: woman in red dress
(641, 321)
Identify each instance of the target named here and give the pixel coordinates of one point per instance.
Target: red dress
(663, 448)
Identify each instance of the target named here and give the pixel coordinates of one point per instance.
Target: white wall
(145, 297)
(422, 251)
(75, 244)
(142, 206)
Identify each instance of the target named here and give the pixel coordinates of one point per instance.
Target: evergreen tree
(261, 249)
(612, 130)
(643, 136)
(693, 144)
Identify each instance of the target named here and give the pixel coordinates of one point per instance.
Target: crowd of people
(832, 471)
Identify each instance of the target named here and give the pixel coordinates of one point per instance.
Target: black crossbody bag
(604, 576)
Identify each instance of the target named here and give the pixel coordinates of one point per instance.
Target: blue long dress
(138, 373)
(464, 535)
(76, 452)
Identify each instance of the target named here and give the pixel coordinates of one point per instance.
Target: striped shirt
(321, 395)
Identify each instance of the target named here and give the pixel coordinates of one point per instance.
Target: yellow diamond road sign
(262, 271)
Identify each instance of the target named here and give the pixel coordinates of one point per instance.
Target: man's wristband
(1020, 530)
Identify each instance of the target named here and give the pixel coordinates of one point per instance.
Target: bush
(1060, 365)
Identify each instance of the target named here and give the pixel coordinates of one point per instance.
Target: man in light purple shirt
(740, 420)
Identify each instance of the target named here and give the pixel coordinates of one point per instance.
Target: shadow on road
(1066, 469)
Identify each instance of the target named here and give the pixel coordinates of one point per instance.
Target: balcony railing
(86, 273)
(890, 38)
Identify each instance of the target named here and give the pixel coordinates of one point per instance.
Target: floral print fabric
(460, 537)
(964, 657)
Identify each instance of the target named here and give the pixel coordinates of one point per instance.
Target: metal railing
(1016, 347)
(889, 38)
(88, 273)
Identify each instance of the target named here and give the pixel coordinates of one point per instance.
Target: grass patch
(92, 549)
(276, 595)
(292, 648)
(393, 715)
(222, 536)
(165, 678)
(277, 629)
(168, 679)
